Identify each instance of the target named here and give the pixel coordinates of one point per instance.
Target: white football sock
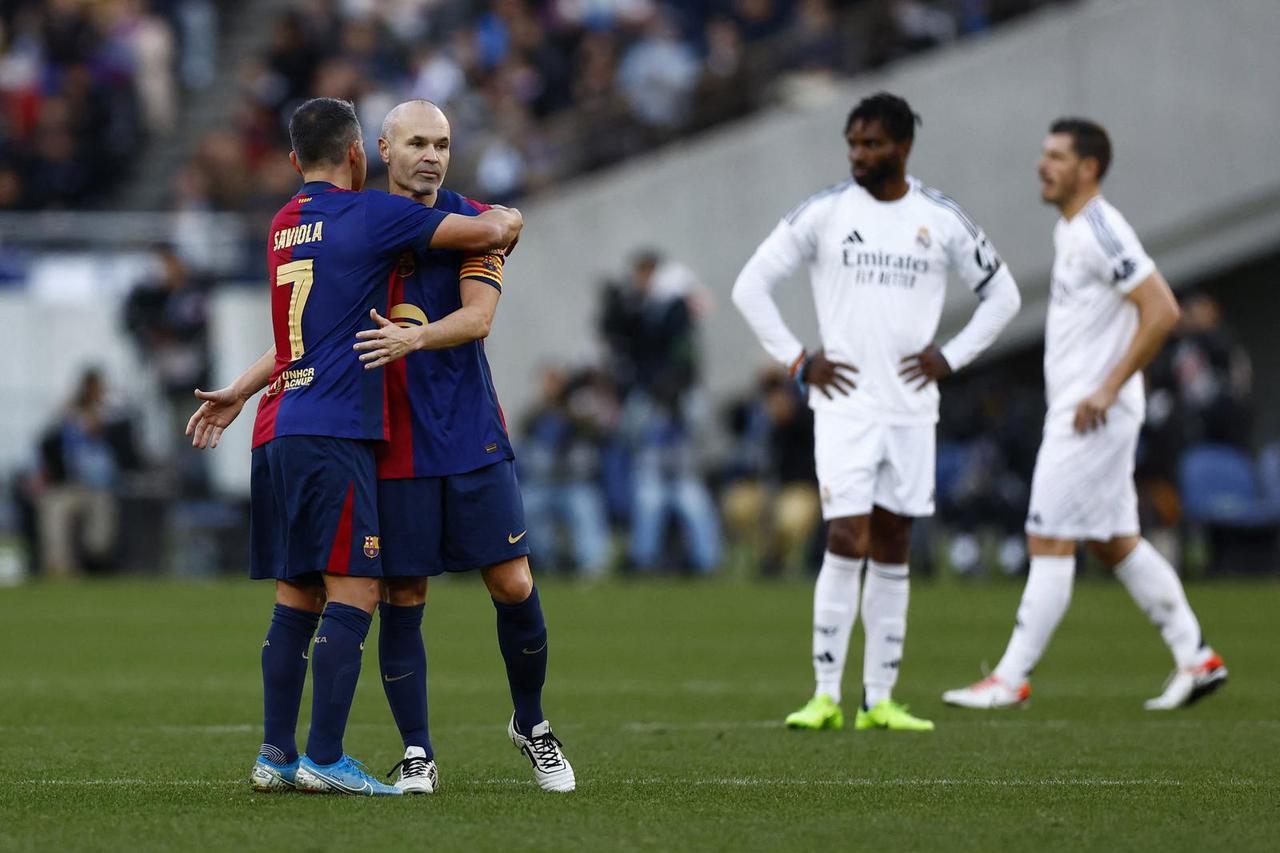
(835, 608)
(1044, 601)
(884, 619)
(1155, 586)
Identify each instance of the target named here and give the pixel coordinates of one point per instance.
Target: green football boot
(888, 714)
(820, 712)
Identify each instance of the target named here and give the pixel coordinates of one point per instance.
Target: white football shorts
(1083, 484)
(862, 464)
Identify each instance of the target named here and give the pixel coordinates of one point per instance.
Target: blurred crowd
(85, 83)
(539, 90)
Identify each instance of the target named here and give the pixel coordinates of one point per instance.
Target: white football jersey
(879, 276)
(1097, 262)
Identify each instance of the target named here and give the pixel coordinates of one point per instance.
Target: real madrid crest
(923, 238)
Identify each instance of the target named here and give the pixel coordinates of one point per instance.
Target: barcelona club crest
(372, 547)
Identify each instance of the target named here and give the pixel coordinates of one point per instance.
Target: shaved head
(415, 146)
(419, 111)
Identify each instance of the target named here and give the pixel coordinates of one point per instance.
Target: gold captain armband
(486, 268)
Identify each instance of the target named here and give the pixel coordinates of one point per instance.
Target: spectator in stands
(668, 486)
(544, 89)
(81, 85)
(82, 459)
(560, 471)
(658, 74)
(648, 327)
(167, 316)
(770, 502)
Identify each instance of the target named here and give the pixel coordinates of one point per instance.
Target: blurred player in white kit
(878, 249)
(1110, 311)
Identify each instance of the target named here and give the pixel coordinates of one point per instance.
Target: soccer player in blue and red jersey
(313, 492)
(448, 499)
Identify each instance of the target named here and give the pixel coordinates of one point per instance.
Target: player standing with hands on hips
(878, 249)
(1110, 311)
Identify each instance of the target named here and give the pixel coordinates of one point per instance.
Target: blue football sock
(284, 672)
(403, 660)
(335, 668)
(522, 637)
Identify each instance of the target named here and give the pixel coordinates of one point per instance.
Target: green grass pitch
(129, 718)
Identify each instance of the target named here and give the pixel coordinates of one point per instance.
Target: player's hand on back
(215, 414)
(827, 375)
(928, 365)
(385, 344)
(1091, 413)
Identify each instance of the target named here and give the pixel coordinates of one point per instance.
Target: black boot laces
(546, 751)
(415, 766)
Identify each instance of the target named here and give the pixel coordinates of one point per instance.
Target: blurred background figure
(560, 471)
(668, 487)
(770, 503)
(166, 314)
(74, 492)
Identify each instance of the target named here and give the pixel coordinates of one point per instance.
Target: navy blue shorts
(313, 509)
(432, 525)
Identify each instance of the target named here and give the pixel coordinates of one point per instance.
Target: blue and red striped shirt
(442, 406)
(329, 253)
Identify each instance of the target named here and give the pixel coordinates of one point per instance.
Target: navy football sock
(522, 637)
(335, 665)
(284, 672)
(403, 660)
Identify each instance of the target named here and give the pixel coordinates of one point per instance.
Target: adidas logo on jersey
(854, 238)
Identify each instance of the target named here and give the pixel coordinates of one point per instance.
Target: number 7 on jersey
(300, 274)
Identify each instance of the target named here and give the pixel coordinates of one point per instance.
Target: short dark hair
(893, 113)
(1088, 138)
(322, 129)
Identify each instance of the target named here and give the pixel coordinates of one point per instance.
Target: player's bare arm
(220, 408)
(389, 342)
(1158, 313)
(495, 230)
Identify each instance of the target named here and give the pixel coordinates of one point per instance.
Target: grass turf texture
(669, 697)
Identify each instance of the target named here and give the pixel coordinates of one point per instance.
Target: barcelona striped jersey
(442, 406)
(329, 253)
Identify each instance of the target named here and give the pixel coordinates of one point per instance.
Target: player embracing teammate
(317, 507)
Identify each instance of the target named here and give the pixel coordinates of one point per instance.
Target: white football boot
(1186, 686)
(418, 775)
(990, 692)
(551, 770)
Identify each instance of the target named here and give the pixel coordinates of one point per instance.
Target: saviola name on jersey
(328, 255)
(443, 410)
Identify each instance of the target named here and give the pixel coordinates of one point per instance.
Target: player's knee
(891, 546)
(1114, 552)
(405, 592)
(847, 540)
(510, 582)
(309, 598)
(364, 593)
